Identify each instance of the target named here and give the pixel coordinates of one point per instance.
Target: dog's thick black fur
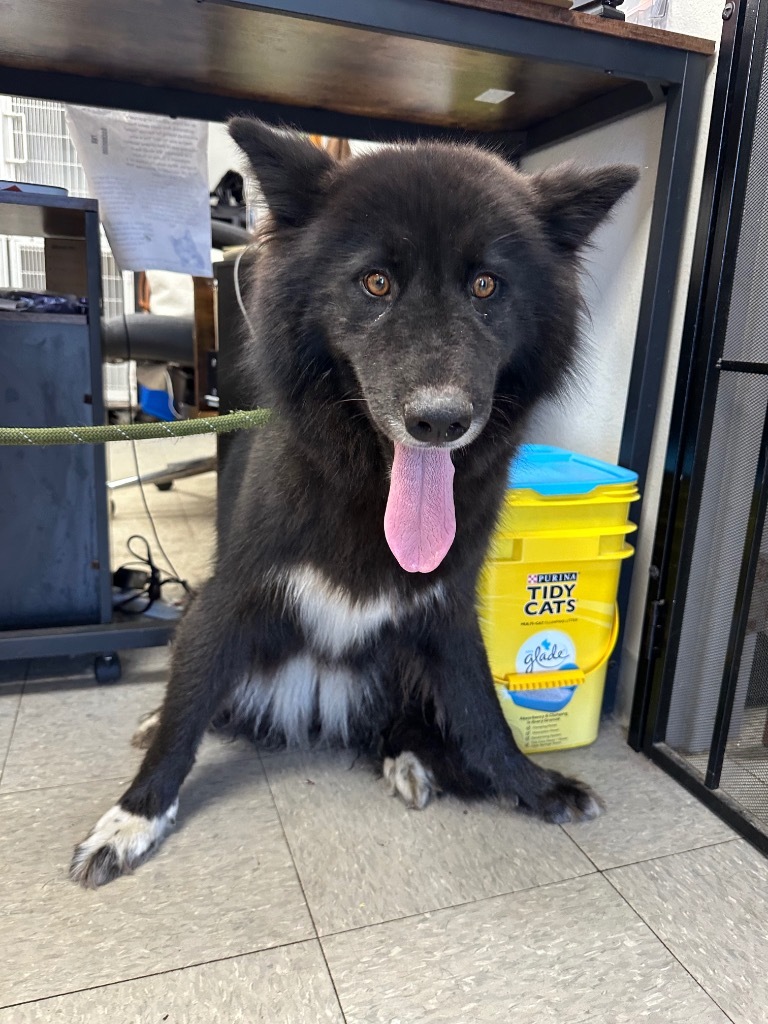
(417, 300)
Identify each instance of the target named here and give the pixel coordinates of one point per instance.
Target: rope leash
(244, 419)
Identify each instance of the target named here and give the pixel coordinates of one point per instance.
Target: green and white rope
(244, 419)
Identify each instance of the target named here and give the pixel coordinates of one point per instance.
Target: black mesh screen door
(701, 703)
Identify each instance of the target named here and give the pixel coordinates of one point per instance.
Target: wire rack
(35, 146)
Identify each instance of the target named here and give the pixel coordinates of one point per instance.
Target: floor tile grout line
(674, 853)
(22, 690)
(671, 952)
(62, 785)
(458, 906)
(303, 890)
(331, 978)
(581, 850)
(159, 974)
(103, 778)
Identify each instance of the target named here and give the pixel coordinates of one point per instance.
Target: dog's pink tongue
(420, 522)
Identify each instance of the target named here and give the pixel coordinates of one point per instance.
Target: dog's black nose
(439, 419)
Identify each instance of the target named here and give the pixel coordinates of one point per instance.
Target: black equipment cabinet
(56, 597)
(53, 502)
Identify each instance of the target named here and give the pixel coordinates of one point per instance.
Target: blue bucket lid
(548, 470)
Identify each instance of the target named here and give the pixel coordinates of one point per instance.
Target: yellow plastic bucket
(547, 594)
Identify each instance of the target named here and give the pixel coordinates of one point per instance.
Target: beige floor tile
(648, 814)
(571, 953)
(363, 857)
(289, 985)
(711, 908)
(72, 731)
(157, 453)
(185, 516)
(65, 735)
(223, 883)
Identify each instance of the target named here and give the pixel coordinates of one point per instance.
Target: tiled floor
(295, 890)
(184, 516)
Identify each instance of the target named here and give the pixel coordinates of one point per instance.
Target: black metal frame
(71, 641)
(656, 73)
(717, 801)
(726, 173)
(669, 212)
(93, 275)
(749, 559)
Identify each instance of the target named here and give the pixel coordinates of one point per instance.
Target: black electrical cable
(152, 590)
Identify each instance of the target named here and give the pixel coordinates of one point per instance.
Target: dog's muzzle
(438, 417)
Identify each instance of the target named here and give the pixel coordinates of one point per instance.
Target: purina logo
(551, 593)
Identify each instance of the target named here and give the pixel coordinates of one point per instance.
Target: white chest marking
(300, 690)
(333, 621)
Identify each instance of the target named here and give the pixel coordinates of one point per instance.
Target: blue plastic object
(554, 699)
(156, 403)
(548, 470)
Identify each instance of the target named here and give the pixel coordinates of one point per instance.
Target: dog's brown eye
(377, 284)
(484, 286)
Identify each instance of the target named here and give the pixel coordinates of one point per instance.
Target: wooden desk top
(251, 55)
(591, 23)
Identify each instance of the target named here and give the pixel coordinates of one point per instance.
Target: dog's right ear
(572, 201)
(290, 170)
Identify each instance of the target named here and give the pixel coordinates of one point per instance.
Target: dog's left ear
(290, 170)
(571, 201)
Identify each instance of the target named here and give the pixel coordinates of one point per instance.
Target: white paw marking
(128, 836)
(407, 778)
(141, 738)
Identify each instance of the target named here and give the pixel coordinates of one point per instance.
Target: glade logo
(548, 651)
(551, 593)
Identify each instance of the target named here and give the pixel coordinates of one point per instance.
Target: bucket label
(551, 593)
(548, 651)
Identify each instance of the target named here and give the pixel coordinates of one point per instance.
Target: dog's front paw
(409, 779)
(561, 800)
(118, 843)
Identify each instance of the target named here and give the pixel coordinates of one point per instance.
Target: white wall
(591, 420)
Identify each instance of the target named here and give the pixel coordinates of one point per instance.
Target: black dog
(411, 306)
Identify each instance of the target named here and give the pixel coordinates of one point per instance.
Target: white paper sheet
(150, 176)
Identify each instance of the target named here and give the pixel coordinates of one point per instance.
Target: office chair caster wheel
(165, 486)
(107, 668)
